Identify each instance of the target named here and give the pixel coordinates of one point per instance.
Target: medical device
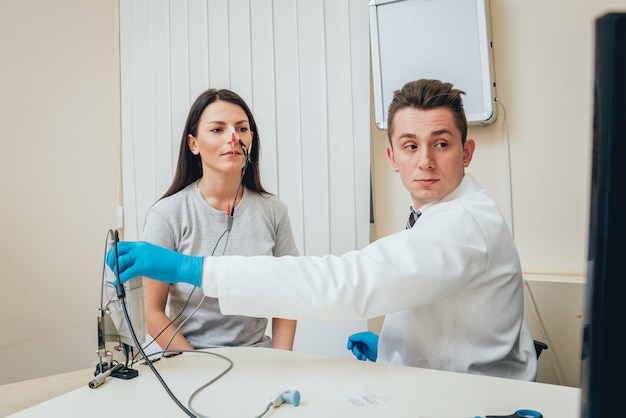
(289, 396)
(520, 413)
(114, 334)
(121, 322)
(100, 378)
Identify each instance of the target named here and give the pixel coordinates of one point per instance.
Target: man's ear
(392, 159)
(468, 151)
(192, 142)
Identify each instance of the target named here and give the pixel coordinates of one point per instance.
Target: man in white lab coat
(450, 286)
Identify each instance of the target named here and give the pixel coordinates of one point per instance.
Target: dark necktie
(412, 218)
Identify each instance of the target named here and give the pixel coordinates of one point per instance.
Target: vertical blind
(301, 65)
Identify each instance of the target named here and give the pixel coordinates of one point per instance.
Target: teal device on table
(520, 413)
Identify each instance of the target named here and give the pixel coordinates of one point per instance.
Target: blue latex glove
(364, 345)
(145, 259)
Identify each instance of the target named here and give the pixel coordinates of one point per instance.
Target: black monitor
(604, 336)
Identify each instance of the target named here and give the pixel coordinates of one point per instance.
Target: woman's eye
(216, 130)
(243, 129)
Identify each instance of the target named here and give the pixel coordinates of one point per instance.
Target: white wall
(59, 162)
(60, 130)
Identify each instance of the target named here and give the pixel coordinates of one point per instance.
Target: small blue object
(520, 413)
(292, 397)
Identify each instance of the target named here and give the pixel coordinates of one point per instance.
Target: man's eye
(441, 145)
(410, 146)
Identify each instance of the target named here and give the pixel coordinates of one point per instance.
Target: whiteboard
(448, 40)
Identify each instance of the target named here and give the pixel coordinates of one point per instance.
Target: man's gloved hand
(145, 259)
(364, 345)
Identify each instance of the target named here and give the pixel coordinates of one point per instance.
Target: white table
(259, 373)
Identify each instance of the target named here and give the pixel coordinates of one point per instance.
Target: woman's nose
(231, 137)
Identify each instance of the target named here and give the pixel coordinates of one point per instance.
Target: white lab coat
(451, 289)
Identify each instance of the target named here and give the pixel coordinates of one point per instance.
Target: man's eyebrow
(407, 135)
(435, 133)
(441, 132)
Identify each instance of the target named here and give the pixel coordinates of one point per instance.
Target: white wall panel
(341, 130)
(360, 59)
(240, 48)
(303, 67)
(179, 72)
(143, 125)
(165, 131)
(264, 88)
(126, 97)
(219, 39)
(288, 129)
(198, 48)
(314, 136)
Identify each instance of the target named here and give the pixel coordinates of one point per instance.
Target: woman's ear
(192, 142)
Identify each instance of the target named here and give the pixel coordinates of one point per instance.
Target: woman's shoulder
(267, 201)
(174, 201)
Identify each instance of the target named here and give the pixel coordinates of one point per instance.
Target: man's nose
(425, 159)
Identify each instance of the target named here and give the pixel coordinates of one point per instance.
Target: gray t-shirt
(185, 222)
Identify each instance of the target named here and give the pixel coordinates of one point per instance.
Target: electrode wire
(122, 297)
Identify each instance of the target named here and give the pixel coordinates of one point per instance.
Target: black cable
(227, 233)
(215, 379)
(243, 173)
(229, 223)
(122, 297)
(267, 408)
(170, 323)
(188, 411)
(121, 293)
(119, 286)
